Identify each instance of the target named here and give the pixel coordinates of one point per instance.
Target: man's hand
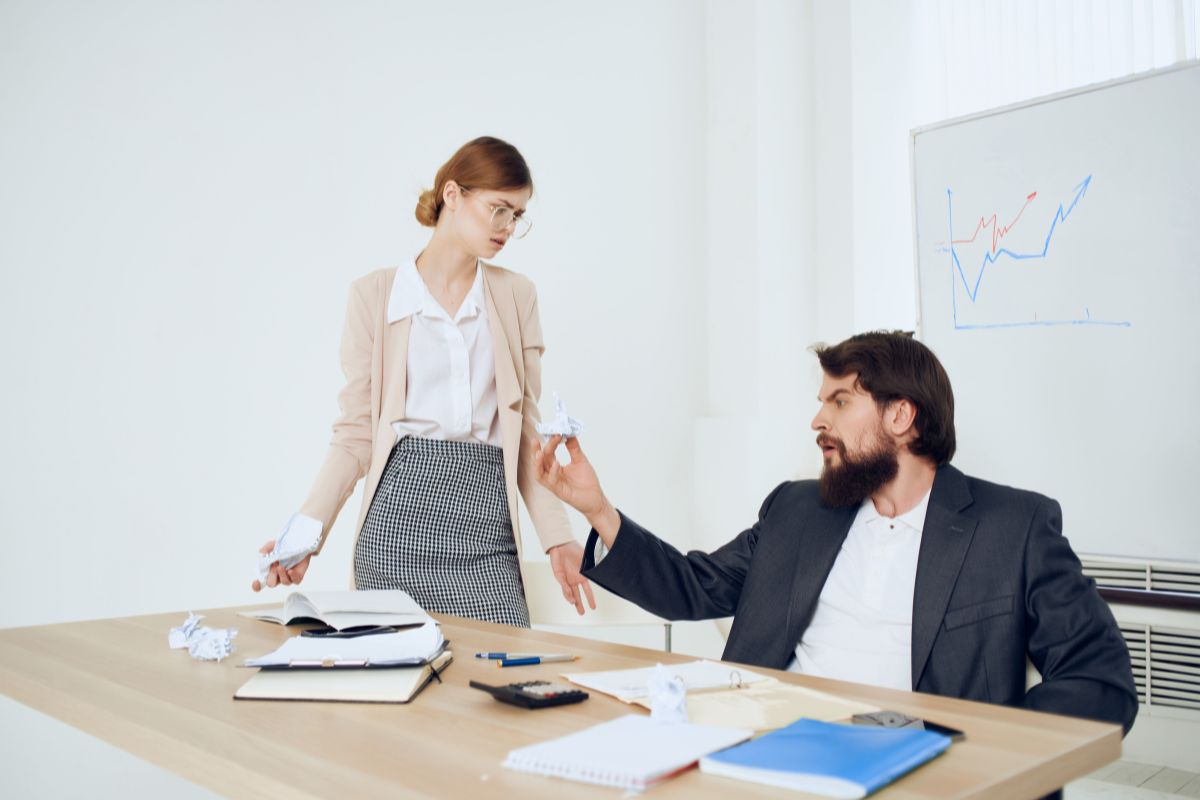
(565, 561)
(577, 485)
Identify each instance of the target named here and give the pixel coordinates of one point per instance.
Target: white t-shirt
(862, 628)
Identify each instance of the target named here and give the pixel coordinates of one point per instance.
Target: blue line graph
(993, 254)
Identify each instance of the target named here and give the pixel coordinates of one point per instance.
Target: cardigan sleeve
(547, 511)
(349, 453)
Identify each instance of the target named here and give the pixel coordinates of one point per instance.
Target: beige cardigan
(375, 360)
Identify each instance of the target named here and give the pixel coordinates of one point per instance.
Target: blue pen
(525, 662)
(499, 656)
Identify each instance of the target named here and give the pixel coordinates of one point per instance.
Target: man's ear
(900, 419)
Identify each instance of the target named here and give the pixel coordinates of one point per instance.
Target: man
(894, 569)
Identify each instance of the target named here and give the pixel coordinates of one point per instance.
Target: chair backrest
(547, 606)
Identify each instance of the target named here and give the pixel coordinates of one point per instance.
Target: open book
(346, 609)
(396, 685)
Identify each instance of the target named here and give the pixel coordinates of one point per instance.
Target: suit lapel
(817, 542)
(944, 543)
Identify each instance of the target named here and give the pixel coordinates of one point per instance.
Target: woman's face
(483, 220)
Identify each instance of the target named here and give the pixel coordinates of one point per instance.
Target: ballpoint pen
(502, 656)
(529, 660)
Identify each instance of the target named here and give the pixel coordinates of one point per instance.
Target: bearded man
(894, 569)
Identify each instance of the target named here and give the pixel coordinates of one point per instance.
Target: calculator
(534, 694)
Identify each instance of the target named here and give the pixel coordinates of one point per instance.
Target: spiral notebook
(632, 752)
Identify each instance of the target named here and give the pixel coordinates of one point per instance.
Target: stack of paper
(406, 647)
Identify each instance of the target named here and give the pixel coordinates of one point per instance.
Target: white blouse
(451, 388)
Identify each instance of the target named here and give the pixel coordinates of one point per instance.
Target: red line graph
(998, 231)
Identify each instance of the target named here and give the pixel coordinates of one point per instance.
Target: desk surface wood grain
(117, 680)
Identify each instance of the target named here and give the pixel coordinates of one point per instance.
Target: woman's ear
(451, 193)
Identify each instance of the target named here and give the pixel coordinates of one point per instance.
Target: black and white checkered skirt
(439, 528)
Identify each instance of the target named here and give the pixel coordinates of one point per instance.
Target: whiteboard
(1058, 282)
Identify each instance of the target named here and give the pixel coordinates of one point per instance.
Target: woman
(442, 358)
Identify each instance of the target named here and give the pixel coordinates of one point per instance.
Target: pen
(524, 662)
(502, 656)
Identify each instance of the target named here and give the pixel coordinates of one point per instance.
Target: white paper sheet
(202, 642)
(301, 535)
(630, 684)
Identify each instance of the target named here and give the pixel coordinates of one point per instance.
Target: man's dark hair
(892, 365)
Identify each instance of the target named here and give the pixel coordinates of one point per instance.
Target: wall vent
(1174, 577)
(1164, 645)
(1166, 664)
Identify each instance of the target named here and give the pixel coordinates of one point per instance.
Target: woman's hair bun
(427, 210)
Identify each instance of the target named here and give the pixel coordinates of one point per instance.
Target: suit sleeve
(1073, 639)
(545, 510)
(349, 453)
(647, 571)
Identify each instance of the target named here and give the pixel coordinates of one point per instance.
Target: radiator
(1157, 607)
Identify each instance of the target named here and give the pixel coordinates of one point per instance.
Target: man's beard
(857, 478)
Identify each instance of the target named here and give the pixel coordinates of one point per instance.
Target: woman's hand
(565, 561)
(287, 577)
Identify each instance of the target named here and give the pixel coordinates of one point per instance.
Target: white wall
(188, 190)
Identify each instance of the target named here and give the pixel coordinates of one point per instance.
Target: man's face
(860, 457)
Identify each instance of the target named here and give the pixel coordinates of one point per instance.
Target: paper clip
(735, 680)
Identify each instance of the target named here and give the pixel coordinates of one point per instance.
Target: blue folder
(845, 761)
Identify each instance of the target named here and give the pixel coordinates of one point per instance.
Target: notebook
(346, 609)
(843, 761)
(392, 685)
(632, 752)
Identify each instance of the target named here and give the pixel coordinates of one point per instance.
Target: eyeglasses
(503, 216)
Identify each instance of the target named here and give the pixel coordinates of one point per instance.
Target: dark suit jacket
(996, 580)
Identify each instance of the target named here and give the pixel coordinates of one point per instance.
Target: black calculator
(534, 694)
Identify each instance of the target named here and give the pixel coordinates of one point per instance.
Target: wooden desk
(117, 680)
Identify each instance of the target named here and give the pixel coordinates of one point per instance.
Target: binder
(843, 761)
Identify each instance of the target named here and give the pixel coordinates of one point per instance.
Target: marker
(530, 660)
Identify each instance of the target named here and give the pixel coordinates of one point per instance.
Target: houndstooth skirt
(439, 528)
